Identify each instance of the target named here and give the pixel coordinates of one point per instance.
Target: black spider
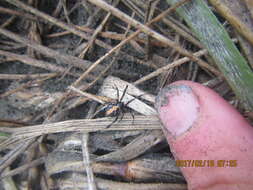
(115, 109)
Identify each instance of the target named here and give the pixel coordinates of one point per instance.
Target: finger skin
(218, 132)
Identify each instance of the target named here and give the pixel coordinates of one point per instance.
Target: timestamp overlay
(206, 163)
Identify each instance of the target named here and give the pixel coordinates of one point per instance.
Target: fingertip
(201, 125)
(174, 103)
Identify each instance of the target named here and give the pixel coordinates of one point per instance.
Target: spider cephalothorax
(115, 109)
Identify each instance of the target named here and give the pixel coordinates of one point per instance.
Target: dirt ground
(46, 47)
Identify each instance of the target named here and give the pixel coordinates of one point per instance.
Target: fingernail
(178, 109)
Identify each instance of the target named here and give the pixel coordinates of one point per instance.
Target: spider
(115, 109)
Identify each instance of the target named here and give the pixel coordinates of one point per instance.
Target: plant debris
(61, 60)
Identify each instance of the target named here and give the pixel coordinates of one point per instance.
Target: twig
(234, 20)
(153, 33)
(108, 90)
(91, 96)
(134, 149)
(165, 68)
(36, 63)
(25, 85)
(124, 41)
(53, 20)
(86, 156)
(94, 35)
(213, 82)
(133, 7)
(84, 125)
(10, 45)
(67, 59)
(85, 87)
(148, 16)
(227, 57)
(8, 22)
(182, 32)
(106, 34)
(25, 76)
(13, 154)
(82, 100)
(112, 185)
(112, 35)
(107, 68)
(17, 13)
(66, 14)
(86, 160)
(23, 168)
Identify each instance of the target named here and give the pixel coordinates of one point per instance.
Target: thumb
(212, 140)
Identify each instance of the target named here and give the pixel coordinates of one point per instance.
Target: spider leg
(122, 113)
(116, 119)
(132, 114)
(101, 108)
(124, 92)
(117, 92)
(130, 101)
(133, 99)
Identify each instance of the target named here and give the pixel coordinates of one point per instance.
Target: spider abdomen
(113, 109)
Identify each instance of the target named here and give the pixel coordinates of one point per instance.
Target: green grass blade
(219, 45)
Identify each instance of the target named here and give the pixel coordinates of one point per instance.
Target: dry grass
(55, 66)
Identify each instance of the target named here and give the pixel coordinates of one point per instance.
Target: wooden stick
(154, 34)
(25, 76)
(67, 59)
(124, 41)
(91, 96)
(169, 66)
(55, 21)
(108, 89)
(36, 63)
(84, 125)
